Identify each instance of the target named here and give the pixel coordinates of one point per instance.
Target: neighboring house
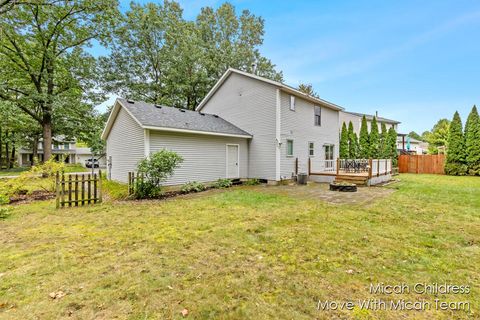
(407, 144)
(356, 119)
(61, 149)
(246, 127)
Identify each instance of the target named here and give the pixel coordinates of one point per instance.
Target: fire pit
(343, 187)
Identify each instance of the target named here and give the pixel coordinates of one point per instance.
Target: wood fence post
(89, 188)
(69, 190)
(417, 164)
(296, 166)
(129, 182)
(62, 194)
(378, 167)
(57, 189)
(83, 189)
(76, 190)
(309, 165)
(95, 188)
(100, 197)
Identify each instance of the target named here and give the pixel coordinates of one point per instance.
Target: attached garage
(211, 147)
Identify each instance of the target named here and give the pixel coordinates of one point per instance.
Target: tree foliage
(472, 142)
(438, 136)
(374, 140)
(364, 140)
(391, 150)
(415, 135)
(352, 142)
(344, 150)
(307, 88)
(383, 148)
(159, 57)
(46, 71)
(455, 162)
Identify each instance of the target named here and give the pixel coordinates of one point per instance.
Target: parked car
(92, 162)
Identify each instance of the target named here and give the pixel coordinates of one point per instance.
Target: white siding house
(280, 118)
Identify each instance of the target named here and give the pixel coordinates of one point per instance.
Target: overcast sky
(413, 61)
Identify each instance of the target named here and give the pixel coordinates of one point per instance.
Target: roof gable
(277, 84)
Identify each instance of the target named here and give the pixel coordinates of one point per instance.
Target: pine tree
(374, 140)
(364, 146)
(383, 154)
(455, 163)
(392, 146)
(472, 142)
(352, 142)
(344, 142)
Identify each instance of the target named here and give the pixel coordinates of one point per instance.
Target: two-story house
(246, 127)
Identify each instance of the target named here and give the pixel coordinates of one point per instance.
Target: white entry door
(233, 168)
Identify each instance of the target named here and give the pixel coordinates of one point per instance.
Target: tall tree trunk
(7, 149)
(47, 136)
(34, 150)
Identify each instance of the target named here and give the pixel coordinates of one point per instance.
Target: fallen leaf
(184, 312)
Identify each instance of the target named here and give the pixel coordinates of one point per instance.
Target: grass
(244, 253)
(13, 171)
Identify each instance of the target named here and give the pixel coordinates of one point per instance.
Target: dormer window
(292, 103)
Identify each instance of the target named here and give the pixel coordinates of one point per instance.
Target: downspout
(146, 141)
(277, 135)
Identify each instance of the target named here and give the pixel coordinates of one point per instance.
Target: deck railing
(367, 167)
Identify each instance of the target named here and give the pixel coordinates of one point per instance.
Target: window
(318, 116)
(292, 103)
(289, 148)
(66, 145)
(329, 151)
(311, 149)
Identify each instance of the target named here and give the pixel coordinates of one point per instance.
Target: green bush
(456, 169)
(252, 182)
(4, 213)
(222, 183)
(153, 171)
(4, 198)
(48, 168)
(193, 186)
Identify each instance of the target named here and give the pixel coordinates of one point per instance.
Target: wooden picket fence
(78, 189)
(433, 164)
(133, 180)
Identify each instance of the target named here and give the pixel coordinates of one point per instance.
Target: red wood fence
(433, 164)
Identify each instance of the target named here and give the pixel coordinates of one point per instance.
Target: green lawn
(246, 253)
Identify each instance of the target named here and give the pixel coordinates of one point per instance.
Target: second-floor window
(318, 116)
(292, 103)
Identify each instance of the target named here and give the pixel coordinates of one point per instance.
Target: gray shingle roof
(150, 115)
(370, 117)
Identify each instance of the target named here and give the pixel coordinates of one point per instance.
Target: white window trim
(292, 102)
(315, 116)
(289, 155)
(226, 160)
(308, 147)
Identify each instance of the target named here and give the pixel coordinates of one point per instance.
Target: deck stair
(359, 180)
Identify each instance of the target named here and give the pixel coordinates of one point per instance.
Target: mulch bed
(34, 196)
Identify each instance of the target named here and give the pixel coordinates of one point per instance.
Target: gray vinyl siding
(125, 145)
(250, 105)
(204, 156)
(299, 126)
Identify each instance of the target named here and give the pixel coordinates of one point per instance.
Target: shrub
(4, 198)
(456, 169)
(4, 213)
(47, 169)
(222, 183)
(252, 182)
(193, 186)
(154, 170)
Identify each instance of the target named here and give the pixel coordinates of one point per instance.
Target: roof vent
(158, 106)
(130, 101)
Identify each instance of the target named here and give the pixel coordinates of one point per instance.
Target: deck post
(378, 167)
(309, 165)
(338, 165)
(296, 166)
